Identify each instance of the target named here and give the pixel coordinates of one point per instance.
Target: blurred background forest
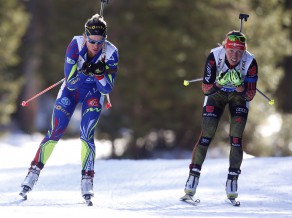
(161, 43)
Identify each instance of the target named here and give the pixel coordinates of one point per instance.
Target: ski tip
(233, 202)
(236, 204)
(24, 196)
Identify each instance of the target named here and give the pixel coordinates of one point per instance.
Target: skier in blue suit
(90, 68)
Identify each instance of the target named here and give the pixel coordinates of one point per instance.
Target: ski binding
(190, 200)
(24, 192)
(88, 200)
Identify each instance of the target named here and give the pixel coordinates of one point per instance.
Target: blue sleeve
(72, 77)
(105, 83)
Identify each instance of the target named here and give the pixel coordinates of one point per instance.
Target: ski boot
(87, 187)
(191, 186)
(232, 186)
(29, 181)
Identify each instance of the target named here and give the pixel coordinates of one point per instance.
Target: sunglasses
(95, 42)
(233, 38)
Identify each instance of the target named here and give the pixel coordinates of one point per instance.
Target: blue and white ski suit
(86, 90)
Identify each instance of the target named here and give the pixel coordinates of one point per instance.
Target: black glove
(98, 68)
(87, 68)
(90, 69)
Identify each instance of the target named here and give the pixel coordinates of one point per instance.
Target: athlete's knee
(55, 132)
(205, 141)
(200, 151)
(236, 152)
(235, 141)
(52, 136)
(87, 137)
(88, 145)
(87, 130)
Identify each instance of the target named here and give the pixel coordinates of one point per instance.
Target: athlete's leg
(91, 109)
(238, 116)
(62, 112)
(64, 107)
(212, 111)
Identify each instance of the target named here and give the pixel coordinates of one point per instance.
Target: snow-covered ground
(144, 188)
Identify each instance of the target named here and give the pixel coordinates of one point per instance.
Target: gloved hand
(223, 78)
(90, 69)
(235, 78)
(99, 68)
(87, 69)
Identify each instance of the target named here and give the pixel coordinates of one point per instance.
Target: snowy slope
(145, 188)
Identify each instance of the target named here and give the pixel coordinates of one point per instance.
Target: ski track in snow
(142, 188)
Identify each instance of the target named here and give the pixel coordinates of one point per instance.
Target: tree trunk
(32, 53)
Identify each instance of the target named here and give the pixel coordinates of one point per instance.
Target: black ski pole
(102, 6)
(242, 17)
(245, 17)
(102, 2)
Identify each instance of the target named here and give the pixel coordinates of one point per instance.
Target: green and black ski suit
(216, 100)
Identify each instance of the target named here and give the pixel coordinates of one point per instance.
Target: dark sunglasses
(95, 42)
